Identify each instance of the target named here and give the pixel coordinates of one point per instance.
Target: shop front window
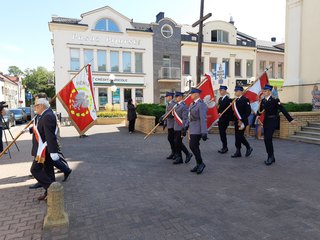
(116, 96)
(74, 59)
(103, 97)
(114, 61)
(237, 68)
(249, 68)
(139, 95)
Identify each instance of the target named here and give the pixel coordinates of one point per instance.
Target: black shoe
(35, 186)
(223, 150)
(174, 157)
(249, 151)
(178, 161)
(66, 175)
(270, 160)
(201, 168)
(195, 169)
(170, 156)
(236, 154)
(188, 158)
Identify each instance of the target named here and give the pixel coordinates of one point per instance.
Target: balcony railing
(169, 73)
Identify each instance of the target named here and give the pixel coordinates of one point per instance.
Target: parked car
(19, 115)
(9, 119)
(27, 110)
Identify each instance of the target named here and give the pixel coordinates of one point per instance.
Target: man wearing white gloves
(45, 147)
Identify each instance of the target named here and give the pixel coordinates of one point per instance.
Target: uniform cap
(238, 88)
(195, 90)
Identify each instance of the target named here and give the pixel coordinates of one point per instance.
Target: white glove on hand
(25, 130)
(54, 156)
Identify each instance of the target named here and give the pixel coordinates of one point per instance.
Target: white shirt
(195, 101)
(267, 98)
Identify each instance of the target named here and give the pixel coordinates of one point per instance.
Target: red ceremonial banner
(207, 95)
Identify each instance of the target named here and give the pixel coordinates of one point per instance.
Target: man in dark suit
(223, 103)
(271, 106)
(242, 109)
(45, 147)
(197, 128)
(180, 114)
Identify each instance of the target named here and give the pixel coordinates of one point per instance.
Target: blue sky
(25, 38)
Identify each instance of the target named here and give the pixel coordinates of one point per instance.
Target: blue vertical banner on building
(220, 72)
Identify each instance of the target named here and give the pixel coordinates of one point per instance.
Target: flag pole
(32, 120)
(266, 70)
(168, 113)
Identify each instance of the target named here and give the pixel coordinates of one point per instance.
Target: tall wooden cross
(200, 38)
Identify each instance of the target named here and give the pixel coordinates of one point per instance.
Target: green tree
(15, 71)
(37, 80)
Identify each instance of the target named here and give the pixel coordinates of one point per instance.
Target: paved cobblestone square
(123, 188)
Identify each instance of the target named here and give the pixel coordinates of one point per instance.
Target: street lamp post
(189, 83)
(112, 77)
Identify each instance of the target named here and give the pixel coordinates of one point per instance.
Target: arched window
(106, 24)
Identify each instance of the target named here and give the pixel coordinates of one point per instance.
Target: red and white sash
(235, 110)
(177, 118)
(41, 151)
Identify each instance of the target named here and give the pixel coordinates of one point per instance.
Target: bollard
(56, 216)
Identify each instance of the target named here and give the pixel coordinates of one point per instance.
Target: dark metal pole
(200, 40)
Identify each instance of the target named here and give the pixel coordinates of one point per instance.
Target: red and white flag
(254, 92)
(207, 95)
(77, 97)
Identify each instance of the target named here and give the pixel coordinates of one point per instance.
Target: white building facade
(112, 45)
(227, 55)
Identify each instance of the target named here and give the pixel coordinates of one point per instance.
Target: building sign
(241, 82)
(106, 40)
(220, 72)
(118, 80)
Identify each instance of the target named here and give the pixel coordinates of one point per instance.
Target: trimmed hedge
(151, 109)
(112, 114)
(297, 107)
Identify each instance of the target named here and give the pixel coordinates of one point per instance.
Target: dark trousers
(43, 173)
(195, 147)
(171, 138)
(269, 127)
(1, 143)
(62, 165)
(240, 138)
(131, 125)
(223, 133)
(178, 144)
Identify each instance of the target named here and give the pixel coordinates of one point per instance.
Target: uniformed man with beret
(271, 107)
(223, 103)
(169, 122)
(242, 109)
(180, 114)
(197, 127)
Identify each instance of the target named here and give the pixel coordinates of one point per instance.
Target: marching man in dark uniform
(271, 106)
(180, 114)
(169, 122)
(242, 109)
(223, 103)
(197, 127)
(45, 147)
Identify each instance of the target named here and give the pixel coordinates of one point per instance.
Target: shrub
(112, 114)
(151, 109)
(298, 107)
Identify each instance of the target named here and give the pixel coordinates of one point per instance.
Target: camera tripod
(5, 135)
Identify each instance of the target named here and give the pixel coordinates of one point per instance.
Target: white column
(120, 62)
(96, 96)
(109, 96)
(108, 61)
(121, 98)
(95, 60)
(133, 95)
(81, 58)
